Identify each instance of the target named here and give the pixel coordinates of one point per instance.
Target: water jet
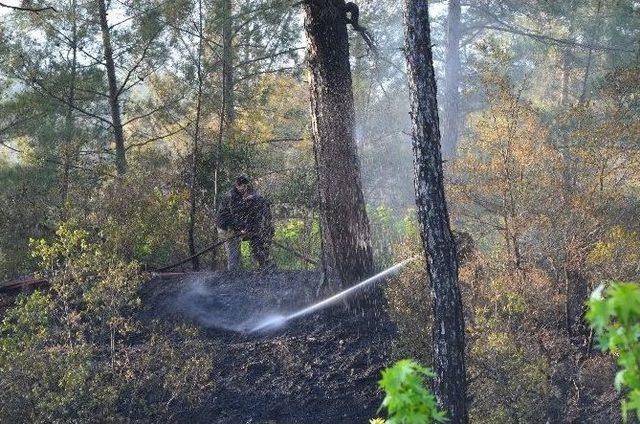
(276, 321)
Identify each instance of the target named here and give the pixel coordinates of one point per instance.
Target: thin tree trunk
(114, 101)
(69, 117)
(195, 261)
(344, 223)
(589, 65)
(452, 118)
(577, 293)
(448, 321)
(566, 78)
(227, 108)
(227, 63)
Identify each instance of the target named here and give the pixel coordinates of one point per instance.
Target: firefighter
(244, 214)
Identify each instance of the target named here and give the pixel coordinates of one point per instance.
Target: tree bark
(566, 78)
(227, 108)
(195, 260)
(227, 63)
(452, 119)
(345, 226)
(584, 96)
(577, 294)
(437, 238)
(69, 117)
(114, 101)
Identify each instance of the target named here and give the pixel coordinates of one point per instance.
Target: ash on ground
(321, 368)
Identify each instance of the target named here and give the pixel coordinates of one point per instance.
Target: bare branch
(269, 56)
(143, 55)
(268, 71)
(37, 83)
(29, 9)
(353, 19)
(58, 162)
(4, 144)
(160, 137)
(151, 112)
(507, 27)
(276, 140)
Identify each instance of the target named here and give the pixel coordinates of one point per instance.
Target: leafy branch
(407, 400)
(615, 319)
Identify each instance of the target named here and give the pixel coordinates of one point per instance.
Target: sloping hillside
(321, 368)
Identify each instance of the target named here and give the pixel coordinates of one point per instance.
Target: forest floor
(320, 368)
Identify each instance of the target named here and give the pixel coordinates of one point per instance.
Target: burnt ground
(320, 368)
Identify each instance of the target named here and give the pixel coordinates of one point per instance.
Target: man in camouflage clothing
(246, 214)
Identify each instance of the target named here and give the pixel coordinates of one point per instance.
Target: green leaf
(407, 401)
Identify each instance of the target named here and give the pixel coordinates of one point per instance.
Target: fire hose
(221, 242)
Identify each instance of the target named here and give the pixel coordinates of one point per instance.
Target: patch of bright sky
(436, 9)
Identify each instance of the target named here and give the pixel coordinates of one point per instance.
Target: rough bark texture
(195, 261)
(452, 118)
(577, 292)
(448, 321)
(227, 107)
(114, 104)
(566, 77)
(345, 226)
(584, 96)
(68, 148)
(227, 63)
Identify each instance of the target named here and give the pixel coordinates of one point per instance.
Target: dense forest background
(122, 123)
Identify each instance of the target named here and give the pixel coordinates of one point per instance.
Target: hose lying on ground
(201, 252)
(220, 242)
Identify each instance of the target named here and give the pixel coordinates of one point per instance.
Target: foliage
(408, 298)
(24, 191)
(545, 183)
(387, 229)
(615, 318)
(407, 401)
(616, 254)
(142, 217)
(300, 235)
(79, 351)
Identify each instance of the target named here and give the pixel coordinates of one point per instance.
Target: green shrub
(407, 401)
(303, 236)
(408, 297)
(387, 230)
(143, 219)
(615, 319)
(78, 351)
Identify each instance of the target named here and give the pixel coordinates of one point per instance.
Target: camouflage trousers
(260, 249)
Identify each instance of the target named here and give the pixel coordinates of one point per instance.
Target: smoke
(227, 306)
(248, 305)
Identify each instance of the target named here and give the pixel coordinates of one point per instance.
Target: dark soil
(320, 368)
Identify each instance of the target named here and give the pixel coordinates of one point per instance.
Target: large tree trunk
(114, 103)
(448, 321)
(452, 119)
(345, 226)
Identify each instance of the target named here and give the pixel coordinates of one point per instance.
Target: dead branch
(353, 19)
(29, 9)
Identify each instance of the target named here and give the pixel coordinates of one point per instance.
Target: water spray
(276, 321)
